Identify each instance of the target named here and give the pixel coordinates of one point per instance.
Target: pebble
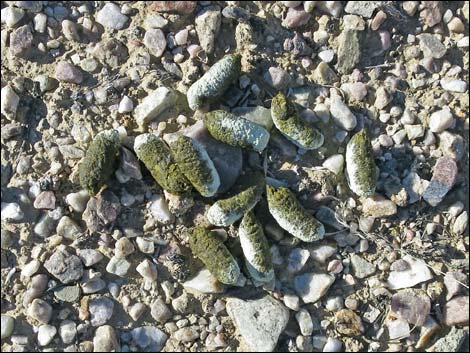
(414, 272)
(443, 179)
(7, 326)
(101, 211)
(40, 22)
(40, 311)
(431, 46)
(378, 206)
(323, 74)
(441, 120)
(101, 310)
(291, 301)
(309, 6)
(305, 322)
(460, 224)
(147, 270)
(154, 20)
(136, 311)
(432, 13)
(341, 114)
(68, 331)
(334, 303)
(207, 24)
(45, 334)
(349, 51)
(297, 259)
(70, 30)
(118, 266)
(204, 282)
(11, 211)
(9, 102)
(355, 90)
(260, 322)
(45, 200)
(155, 42)
(182, 7)
(64, 266)
(361, 267)
(30, 268)
(361, 8)
(123, 248)
(159, 210)
(36, 288)
(452, 145)
(411, 305)
(333, 345)
(68, 229)
(11, 16)
(334, 163)
(456, 25)
(382, 98)
(397, 329)
(181, 37)
(296, 17)
(149, 338)
(160, 311)
(456, 311)
(147, 246)
(125, 105)
(105, 340)
(69, 294)
(110, 17)
(186, 334)
(414, 131)
(312, 286)
(459, 86)
(321, 253)
(277, 77)
(21, 41)
(153, 105)
(67, 72)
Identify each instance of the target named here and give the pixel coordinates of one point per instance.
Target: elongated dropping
(156, 156)
(196, 165)
(256, 249)
(99, 162)
(214, 254)
(360, 165)
(227, 211)
(236, 131)
(291, 216)
(287, 120)
(215, 81)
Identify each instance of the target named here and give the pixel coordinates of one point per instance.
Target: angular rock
(260, 322)
(204, 282)
(110, 16)
(9, 103)
(66, 72)
(362, 8)
(153, 105)
(452, 145)
(101, 211)
(378, 206)
(431, 46)
(65, 267)
(149, 338)
(349, 51)
(443, 179)
(207, 27)
(7, 326)
(312, 286)
(105, 340)
(361, 267)
(277, 77)
(411, 305)
(21, 41)
(296, 17)
(456, 311)
(414, 272)
(101, 310)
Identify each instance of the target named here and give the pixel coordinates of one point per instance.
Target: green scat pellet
(291, 216)
(196, 165)
(236, 131)
(255, 249)
(155, 155)
(227, 211)
(360, 165)
(287, 120)
(214, 254)
(99, 162)
(215, 81)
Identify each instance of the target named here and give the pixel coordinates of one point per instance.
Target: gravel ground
(360, 240)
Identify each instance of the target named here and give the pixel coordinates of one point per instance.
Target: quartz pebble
(110, 17)
(7, 326)
(312, 286)
(45, 334)
(101, 310)
(414, 272)
(441, 120)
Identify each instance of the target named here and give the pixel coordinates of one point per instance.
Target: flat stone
(69, 294)
(260, 322)
(118, 266)
(443, 179)
(259, 115)
(361, 267)
(305, 322)
(110, 16)
(7, 326)
(413, 273)
(397, 328)
(411, 305)
(155, 42)
(378, 206)
(312, 286)
(101, 310)
(66, 72)
(207, 27)
(149, 338)
(65, 267)
(324, 74)
(456, 311)
(105, 340)
(362, 8)
(458, 86)
(431, 46)
(296, 17)
(349, 51)
(182, 7)
(153, 105)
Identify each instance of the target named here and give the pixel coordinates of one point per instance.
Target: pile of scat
(181, 165)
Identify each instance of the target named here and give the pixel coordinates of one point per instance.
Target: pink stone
(66, 72)
(183, 7)
(443, 179)
(456, 311)
(296, 17)
(45, 200)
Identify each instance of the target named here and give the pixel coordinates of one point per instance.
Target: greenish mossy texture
(99, 162)
(256, 248)
(215, 81)
(287, 120)
(227, 211)
(214, 254)
(196, 165)
(360, 165)
(156, 156)
(291, 216)
(235, 131)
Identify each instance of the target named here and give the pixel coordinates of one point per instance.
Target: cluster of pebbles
(230, 176)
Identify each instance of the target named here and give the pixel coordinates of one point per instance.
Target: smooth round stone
(45, 334)
(334, 163)
(40, 311)
(7, 326)
(441, 120)
(333, 345)
(67, 331)
(101, 310)
(31, 268)
(69, 294)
